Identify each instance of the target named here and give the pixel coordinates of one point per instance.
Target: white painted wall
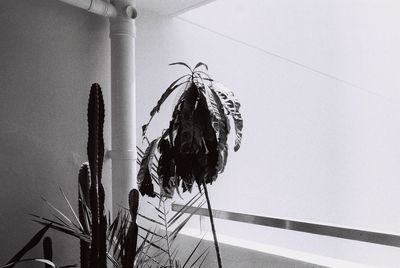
(314, 148)
(50, 54)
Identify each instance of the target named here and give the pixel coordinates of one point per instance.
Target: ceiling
(170, 7)
(352, 43)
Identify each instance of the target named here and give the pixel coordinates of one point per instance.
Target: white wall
(314, 148)
(50, 55)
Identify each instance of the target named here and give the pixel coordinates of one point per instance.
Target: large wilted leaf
(185, 137)
(205, 161)
(213, 108)
(220, 123)
(166, 169)
(144, 179)
(232, 106)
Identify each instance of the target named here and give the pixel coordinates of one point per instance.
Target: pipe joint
(98, 7)
(123, 23)
(130, 12)
(102, 8)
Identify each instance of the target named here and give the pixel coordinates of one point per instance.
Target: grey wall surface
(50, 54)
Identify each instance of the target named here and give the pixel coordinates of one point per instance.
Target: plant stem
(166, 233)
(212, 226)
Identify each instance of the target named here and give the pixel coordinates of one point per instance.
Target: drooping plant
(194, 148)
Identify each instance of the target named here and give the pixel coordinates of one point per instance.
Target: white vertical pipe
(123, 108)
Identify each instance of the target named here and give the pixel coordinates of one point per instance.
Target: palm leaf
(149, 231)
(184, 208)
(46, 262)
(193, 251)
(175, 232)
(59, 212)
(201, 255)
(205, 257)
(32, 243)
(72, 210)
(153, 244)
(150, 219)
(66, 230)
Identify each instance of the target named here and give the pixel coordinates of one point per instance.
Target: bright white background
(319, 92)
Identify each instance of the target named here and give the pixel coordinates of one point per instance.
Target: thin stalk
(212, 225)
(166, 234)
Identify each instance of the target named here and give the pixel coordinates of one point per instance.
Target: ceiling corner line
(186, 9)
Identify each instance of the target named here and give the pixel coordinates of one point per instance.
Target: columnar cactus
(84, 206)
(131, 236)
(95, 152)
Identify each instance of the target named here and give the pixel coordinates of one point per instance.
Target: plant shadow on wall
(193, 149)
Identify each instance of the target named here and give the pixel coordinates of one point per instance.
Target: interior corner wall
(50, 54)
(313, 149)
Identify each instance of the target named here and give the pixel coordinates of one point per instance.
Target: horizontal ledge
(305, 227)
